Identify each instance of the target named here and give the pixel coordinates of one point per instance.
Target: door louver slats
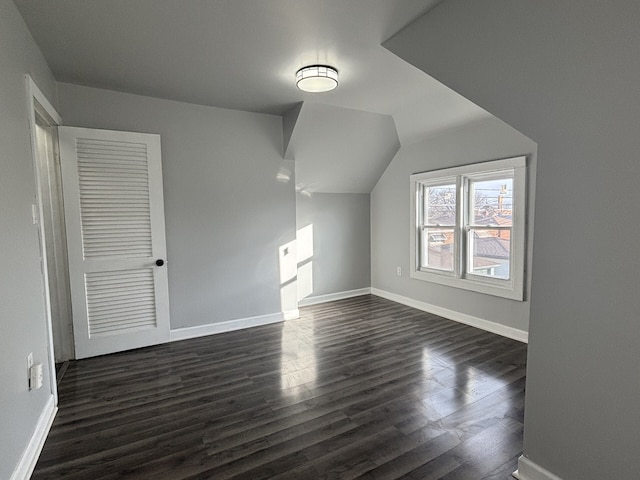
(118, 301)
(114, 198)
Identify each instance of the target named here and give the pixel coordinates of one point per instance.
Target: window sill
(506, 290)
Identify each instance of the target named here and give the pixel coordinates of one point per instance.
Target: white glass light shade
(317, 78)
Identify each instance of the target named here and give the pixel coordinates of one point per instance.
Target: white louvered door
(114, 213)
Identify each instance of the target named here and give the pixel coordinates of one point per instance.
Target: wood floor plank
(356, 388)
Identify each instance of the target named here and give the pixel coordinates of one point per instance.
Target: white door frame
(35, 98)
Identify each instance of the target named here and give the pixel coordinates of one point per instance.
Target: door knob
(159, 262)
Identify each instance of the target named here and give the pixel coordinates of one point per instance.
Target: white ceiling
(243, 54)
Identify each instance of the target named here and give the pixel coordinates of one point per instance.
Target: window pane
(440, 205)
(439, 249)
(490, 253)
(492, 202)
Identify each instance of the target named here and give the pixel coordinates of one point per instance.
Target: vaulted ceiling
(243, 54)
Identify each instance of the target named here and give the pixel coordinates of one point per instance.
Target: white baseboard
(528, 470)
(291, 314)
(330, 297)
(230, 325)
(477, 322)
(24, 469)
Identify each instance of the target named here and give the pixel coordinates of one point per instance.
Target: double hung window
(468, 227)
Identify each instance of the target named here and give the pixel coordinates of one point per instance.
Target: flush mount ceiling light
(317, 78)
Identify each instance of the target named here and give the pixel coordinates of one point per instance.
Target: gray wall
(487, 139)
(22, 311)
(566, 74)
(341, 240)
(227, 210)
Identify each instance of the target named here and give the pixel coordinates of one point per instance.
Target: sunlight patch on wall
(305, 280)
(296, 271)
(304, 238)
(288, 279)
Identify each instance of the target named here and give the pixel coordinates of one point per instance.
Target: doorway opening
(49, 215)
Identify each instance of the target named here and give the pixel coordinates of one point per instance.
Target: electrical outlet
(399, 271)
(35, 376)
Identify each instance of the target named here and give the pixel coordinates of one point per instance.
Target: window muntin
(470, 227)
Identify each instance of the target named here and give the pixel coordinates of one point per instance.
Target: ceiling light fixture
(317, 78)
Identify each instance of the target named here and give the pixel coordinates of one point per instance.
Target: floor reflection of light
(444, 386)
(426, 362)
(479, 383)
(298, 369)
(464, 381)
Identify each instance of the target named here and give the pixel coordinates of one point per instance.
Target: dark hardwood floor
(359, 388)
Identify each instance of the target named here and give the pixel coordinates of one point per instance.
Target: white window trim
(512, 288)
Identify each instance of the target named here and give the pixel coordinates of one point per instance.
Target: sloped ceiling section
(340, 150)
(438, 110)
(289, 120)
